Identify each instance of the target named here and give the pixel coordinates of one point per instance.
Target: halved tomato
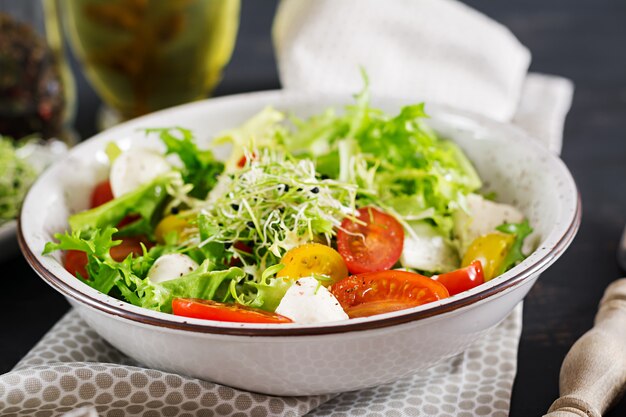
(372, 244)
(171, 223)
(212, 310)
(76, 263)
(491, 251)
(101, 194)
(462, 279)
(129, 245)
(313, 258)
(381, 292)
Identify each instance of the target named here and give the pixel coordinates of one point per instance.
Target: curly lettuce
(16, 177)
(398, 162)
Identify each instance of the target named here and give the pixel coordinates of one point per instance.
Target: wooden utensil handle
(593, 375)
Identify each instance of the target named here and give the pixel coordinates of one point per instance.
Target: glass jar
(37, 90)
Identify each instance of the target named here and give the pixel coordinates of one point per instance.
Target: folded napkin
(421, 50)
(437, 51)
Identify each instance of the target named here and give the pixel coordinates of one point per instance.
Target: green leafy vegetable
(103, 271)
(515, 255)
(398, 162)
(201, 169)
(144, 201)
(16, 176)
(130, 275)
(204, 282)
(266, 293)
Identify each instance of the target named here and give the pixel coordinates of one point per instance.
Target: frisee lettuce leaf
(129, 277)
(16, 177)
(398, 162)
(200, 168)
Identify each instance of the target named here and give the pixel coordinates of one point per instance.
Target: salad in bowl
(322, 219)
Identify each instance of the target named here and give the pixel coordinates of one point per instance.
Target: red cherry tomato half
(384, 291)
(76, 262)
(101, 194)
(212, 310)
(462, 279)
(129, 245)
(375, 244)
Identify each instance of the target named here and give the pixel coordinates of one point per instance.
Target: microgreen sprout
(275, 203)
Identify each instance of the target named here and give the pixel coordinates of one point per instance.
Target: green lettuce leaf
(144, 201)
(102, 269)
(515, 255)
(201, 169)
(205, 282)
(129, 277)
(398, 162)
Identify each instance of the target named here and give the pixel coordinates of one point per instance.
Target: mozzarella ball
(171, 266)
(134, 168)
(307, 301)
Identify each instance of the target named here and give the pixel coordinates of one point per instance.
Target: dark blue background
(582, 40)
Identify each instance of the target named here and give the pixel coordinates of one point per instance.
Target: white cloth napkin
(437, 51)
(432, 50)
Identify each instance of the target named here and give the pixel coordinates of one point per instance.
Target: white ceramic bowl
(308, 359)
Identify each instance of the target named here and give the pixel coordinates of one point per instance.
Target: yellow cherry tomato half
(313, 258)
(490, 250)
(171, 223)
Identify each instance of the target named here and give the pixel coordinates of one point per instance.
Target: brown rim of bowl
(116, 310)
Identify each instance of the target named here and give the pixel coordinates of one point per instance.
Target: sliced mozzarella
(427, 250)
(483, 217)
(134, 168)
(306, 301)
(171, 266)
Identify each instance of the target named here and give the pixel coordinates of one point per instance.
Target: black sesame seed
(285, 188)
(324, 177)
(315, 190)
(281, 209)
(250, 224)
(235, 207)
(174, 210)
(227, 245)
(299, 189)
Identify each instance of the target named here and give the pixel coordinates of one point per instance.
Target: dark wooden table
(582, 40)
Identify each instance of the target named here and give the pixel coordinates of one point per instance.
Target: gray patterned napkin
(73, 368)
